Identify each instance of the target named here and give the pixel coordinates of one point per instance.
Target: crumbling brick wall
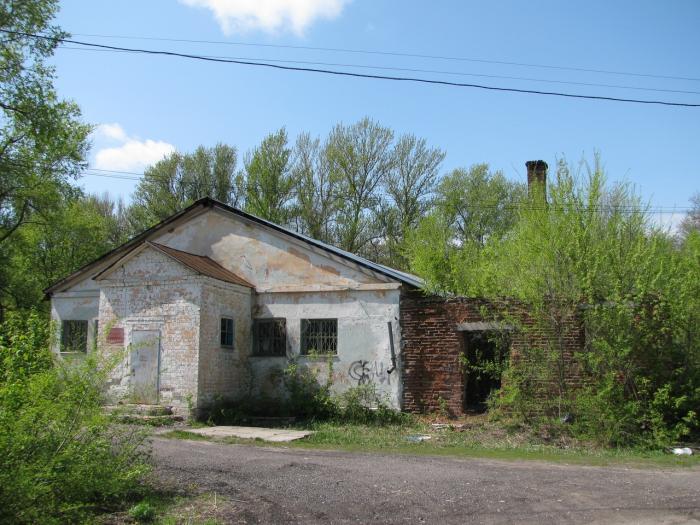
(433, 376)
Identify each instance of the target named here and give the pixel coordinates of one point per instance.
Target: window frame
(309, 341)
(67, 332)
(279, 343)
(224, 332)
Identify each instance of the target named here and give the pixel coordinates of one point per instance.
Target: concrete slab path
(277, 435)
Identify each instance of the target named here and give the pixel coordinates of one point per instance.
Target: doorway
(483, 362)
(145, 364)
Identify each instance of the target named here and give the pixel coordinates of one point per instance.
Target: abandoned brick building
(213, 302)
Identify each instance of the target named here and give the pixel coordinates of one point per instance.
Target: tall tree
(478, 204)
(42, 140)
(270, 179)
(115, 213)
(317, 198)
(44, 251)
(472, 207)
(360, 159)
(408, 185)
(179, 179)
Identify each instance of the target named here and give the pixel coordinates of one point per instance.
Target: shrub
(363, 404)
(60, 456)
(143, 512)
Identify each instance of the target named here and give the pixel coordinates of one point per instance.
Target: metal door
(145, 360)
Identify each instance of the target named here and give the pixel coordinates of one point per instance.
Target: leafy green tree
(42, 141)
(478, 204)
(408, 187)
(115, 213)
(180, 179)
(45, 251)
(471, 208)
(360, 160)
(317, 199)
(270, 179)
(591, 256)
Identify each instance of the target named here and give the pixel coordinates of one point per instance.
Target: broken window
(227, 332)
(319, 336)
(74, 336)
(269, 337)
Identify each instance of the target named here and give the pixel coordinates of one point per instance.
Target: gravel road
(278, 485)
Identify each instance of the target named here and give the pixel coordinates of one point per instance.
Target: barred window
(269, 337)
(74, 336)
(226, 332)
(319, 336)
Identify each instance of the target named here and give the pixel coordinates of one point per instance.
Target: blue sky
(154, 104)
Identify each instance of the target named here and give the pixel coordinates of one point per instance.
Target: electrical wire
(395, 54)
(355, 74)
(414, 70)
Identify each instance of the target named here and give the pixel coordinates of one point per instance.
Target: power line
(395, 54)
(356, 75)
(414, 70)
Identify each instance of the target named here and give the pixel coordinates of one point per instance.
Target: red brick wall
(432, 346)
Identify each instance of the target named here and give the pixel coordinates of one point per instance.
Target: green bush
(364, 405)
(143, 512)
(60, 456)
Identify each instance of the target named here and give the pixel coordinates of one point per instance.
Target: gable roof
(206, 203)
(200, 264)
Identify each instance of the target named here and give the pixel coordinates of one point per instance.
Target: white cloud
(132, 154)
(236, 16)
(112, 131)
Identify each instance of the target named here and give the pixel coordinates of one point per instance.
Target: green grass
(483, 440)
(165, 508)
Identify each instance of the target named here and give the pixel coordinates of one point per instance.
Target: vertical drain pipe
(391, 346)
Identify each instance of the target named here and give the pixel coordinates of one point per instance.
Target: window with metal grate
(319, 336)
(270, 337)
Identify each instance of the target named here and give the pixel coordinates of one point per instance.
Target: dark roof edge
(126, 246)
(208, 202)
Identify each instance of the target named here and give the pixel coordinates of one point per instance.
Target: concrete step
(155, 421)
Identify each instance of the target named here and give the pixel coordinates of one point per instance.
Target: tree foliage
(590, 253)
(42, 141)
(270, 182)
(180, 179)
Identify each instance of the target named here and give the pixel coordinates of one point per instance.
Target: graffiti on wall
(364, 372)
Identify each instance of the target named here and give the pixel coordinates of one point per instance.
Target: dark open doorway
(483, 362)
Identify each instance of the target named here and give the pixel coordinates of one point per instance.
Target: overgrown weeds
(306, 395)
(61, 458)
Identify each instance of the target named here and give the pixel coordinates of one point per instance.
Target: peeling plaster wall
(292, 280)
(80, 303)
(364, 354)
(264, 258)
(223, 371)
(153, 292)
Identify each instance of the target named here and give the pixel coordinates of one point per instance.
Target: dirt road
(276, 485)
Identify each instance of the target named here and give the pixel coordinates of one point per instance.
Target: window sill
(77, 352)
(320, 357)
(268, 356)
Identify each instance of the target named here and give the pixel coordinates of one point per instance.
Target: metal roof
(202, 265)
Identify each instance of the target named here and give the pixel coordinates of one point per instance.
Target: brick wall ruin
(433, 376)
